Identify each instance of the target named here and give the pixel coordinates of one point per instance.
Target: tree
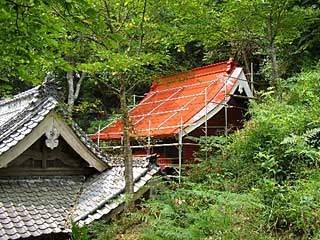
(264, 27)
(27, 43)
(120, 39)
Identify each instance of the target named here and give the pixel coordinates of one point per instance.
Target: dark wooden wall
(39, 160)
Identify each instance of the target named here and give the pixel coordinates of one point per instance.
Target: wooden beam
(240, 96)
(45, 172)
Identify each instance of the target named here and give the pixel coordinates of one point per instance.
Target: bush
(195, 212)
(261, 182)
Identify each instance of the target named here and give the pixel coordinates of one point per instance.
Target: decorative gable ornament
(52, 135)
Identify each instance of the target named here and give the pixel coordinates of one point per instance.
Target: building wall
(42, 161)
(236, 115)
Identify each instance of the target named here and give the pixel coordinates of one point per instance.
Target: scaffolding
(181, 126)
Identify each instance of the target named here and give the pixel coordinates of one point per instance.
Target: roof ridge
(21, 118)
(20, 95)
(195, 72)
(211, 65)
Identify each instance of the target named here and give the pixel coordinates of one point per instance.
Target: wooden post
(206, 119)
(99, 130)
(206, 114)
(251, 78)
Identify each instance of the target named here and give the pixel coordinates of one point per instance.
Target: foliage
(102, 230)
(268, 170)
(79, 233)
(102, 40)
(209, 145)
(261, 182)
(292, 206)
(276, 157)
(195, 212)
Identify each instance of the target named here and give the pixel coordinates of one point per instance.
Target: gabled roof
(104, 192)
(29, 115)
(37, 206)
(32, 206)
(182, 99)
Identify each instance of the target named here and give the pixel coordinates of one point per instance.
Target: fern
(312, 137)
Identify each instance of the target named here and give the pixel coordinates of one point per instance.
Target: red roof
(175, 99)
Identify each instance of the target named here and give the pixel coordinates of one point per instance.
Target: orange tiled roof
(175, 99)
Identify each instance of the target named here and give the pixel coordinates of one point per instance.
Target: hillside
(261, 182)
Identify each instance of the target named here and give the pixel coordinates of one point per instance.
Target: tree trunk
(71, 99)
(275, 68)
(273, 56)
(246, 63)
(127, 153)
(73, 93)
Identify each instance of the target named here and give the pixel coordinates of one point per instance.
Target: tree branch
(78, 86)
(115, 90)
(108, 17)
(70, 79)
(141, 26)
(278, 17)
(124, 19)
(16, 8)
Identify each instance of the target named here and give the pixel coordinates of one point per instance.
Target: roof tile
(36, 218)
(34, 206)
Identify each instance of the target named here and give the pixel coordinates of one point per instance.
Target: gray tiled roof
(15, 129)
(90, 144)
(10, 107)
(137, 161)
(32, 206)
(104, 192)
(30, 109)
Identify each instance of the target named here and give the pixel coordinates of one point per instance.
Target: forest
(261, 182)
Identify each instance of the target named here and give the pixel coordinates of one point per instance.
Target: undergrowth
(261, 182)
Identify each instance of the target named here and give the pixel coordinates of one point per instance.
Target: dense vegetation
(261, 182)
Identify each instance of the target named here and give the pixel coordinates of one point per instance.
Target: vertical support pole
(206, 119)
(134, 99)
(99, 130)
(251, 78)
(225, 108)
(180, 149)
(206, 114)
(149, 138)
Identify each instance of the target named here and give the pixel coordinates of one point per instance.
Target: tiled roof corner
(105, 192)
(35, 105)
(35, 206)
(49, 87)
